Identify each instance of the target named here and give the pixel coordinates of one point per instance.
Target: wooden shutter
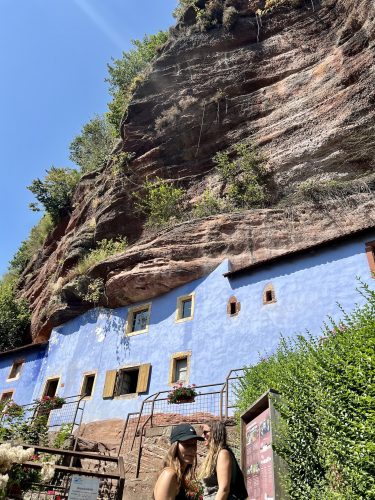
(143, 376)
(109, 384)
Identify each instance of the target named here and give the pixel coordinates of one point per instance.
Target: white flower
(47, 472)
(3, 481)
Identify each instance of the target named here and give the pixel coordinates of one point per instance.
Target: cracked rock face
(298, 83)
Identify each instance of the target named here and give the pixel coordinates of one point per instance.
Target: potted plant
(48, 403)
(182, 394)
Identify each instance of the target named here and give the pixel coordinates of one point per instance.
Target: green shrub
(14, 315)
(125, 74)
(160, 201)
(243, 176)
(104, 249)
(90, 150)
(327, 409)
(208, 204)
(55, 192)
(30, 246)
(95, 290)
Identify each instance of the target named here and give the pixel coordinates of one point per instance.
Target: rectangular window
(88, 385)
(185, 308)
(50, 388)
(138, 319)
(179, 369)
(127, 380)
(6, 396)
(180, 374)
(16, 369)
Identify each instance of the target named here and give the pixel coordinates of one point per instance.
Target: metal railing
(70, 413)
(108, 470)
(212, 401)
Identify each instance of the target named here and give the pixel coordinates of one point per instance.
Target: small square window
(269, 295)
(16, 369)
(138, 320)
(6, 396)
(185, 308)
(233, 306)
(88, 385)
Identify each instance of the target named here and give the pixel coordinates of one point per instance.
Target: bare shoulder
(224, 455)
(167, 485)
(168, 474)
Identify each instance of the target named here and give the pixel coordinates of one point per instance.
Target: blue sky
(53, 60)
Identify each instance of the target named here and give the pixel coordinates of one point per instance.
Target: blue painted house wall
(23, 386)
(308, 288)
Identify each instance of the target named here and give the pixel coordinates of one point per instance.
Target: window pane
(127, 382)
(16, 369)
(181, 370)
(6, 396)
(140, 320)
(89, 384)
(186, 308)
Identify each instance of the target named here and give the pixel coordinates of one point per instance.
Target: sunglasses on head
(205, 433)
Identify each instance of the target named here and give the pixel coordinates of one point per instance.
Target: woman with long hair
(220, 472)
(179, 465)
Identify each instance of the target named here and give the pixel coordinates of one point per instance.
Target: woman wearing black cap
(179, 464)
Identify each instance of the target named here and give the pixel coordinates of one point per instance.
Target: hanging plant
(182, 394)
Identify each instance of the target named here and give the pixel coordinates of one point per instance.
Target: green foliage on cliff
(91, 148)
(327, 432)
(208, 204)
(104, 249)
(55, 192)
(30, 246)
(160, 201)
(243, 176)
(125, 74)
(14, 315)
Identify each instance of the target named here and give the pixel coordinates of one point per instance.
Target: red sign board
(259, 458)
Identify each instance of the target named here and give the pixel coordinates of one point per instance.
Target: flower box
(182, 394)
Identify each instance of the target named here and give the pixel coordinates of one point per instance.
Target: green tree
(243, 176)
(91, 148)
(123, 74)
(160, 201)
(55, 192)
(14, 315)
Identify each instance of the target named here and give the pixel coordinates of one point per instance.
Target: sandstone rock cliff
(298, 82)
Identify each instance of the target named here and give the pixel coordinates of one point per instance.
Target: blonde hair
(217, 442)
(171, 460)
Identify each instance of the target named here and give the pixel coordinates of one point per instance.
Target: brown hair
(217, 442)
(171, 460)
